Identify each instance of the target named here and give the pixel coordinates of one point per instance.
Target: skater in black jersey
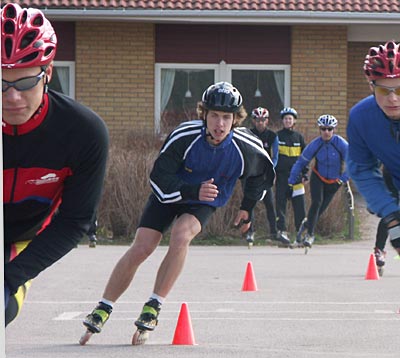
(54, 156)
(260, 118)
(291, 145)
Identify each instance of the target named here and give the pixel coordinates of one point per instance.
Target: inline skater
(194, 174)
(54, 156)
(373, 132)
(260, 118)
(328, 173)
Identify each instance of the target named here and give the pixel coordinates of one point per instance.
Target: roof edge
(227, 16)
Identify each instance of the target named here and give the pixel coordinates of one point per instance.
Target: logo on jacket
(45, 179)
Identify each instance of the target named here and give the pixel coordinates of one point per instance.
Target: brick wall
(319, 76)
(357, 84)
(115, 73)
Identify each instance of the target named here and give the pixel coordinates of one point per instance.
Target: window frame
(71, 76)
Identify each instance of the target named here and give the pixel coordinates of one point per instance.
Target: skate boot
(92, 241)
(308, 242)
(250, 238)
(146, 322)
(300, 232)
(296, 244)
(283, 238)
(95, 321)
(379, 259)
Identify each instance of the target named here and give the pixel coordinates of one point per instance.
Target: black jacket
(53, 164)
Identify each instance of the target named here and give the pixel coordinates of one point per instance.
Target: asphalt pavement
(314, 305)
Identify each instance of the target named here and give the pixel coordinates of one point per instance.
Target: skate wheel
(380, 271)
(85, 338)
(140, 337)
(250, 245)
(306, 250)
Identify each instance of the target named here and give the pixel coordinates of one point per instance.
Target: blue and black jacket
(186, 160)
(329, 159)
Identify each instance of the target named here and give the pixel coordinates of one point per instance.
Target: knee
(180, 241)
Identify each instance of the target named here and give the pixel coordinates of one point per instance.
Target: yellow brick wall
(319, 76)
(357, 83)
(115, 73)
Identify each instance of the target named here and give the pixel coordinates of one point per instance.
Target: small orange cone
(249, 282)
(183, 331)
(372, 271)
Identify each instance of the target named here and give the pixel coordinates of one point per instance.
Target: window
(64, 78)
(263, 86)
(178, 89)
(180, 86)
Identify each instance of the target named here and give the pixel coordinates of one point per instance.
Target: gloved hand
(7, 295)
(392, 222)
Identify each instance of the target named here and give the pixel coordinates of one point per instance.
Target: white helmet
(327, 120)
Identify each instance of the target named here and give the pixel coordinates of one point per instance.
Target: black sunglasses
(22, 84)
(330, 129)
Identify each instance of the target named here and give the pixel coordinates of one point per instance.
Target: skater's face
(326, 133)
(387, 95)
(219, 124)
(288, 121)
(260, 124)
(22, 93)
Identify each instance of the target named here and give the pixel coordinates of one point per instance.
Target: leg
(186, 227)
(316, 190)
(281, 201)
(270, 212)
(184, 230)
(91, 234)
(17, 299)
(379, 249)
(146, 241)
(381, 236)
(329, 192)
(299, 209)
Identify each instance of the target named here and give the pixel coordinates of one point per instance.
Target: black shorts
(159, 216)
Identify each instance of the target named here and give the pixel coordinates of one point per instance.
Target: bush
(127, 188)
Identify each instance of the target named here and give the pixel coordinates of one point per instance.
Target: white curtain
(63, 77)
(167, 83)
(279, 77)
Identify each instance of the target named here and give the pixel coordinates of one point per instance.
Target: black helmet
(222, 96)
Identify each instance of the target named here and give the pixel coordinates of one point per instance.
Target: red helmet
(27, 38)
(382, 62)
(260, 112)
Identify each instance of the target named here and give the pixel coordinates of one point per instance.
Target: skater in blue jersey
(194, 174)
(373, 133)
(329, 151)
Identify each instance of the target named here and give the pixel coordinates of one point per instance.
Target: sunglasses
(330, 129)
(22, 84)
(385, 91)
(260, 119)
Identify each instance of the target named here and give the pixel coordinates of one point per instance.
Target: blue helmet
(288, 110)
(222, 96)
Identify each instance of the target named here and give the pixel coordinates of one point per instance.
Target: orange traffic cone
(372, 271)
(249, 282)
(183, 331)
